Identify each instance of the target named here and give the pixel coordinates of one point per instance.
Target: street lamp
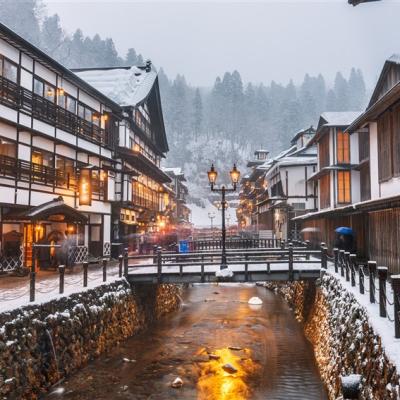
(211, 215)
(212, 178)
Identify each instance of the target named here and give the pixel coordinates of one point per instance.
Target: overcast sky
(264, 40)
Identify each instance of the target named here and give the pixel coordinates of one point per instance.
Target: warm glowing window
(343, 147)
(344, 194)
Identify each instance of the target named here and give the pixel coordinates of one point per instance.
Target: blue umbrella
(344, 230)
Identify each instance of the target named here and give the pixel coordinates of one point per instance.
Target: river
(264, 344)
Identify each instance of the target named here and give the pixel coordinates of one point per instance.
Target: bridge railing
(196, 262)
(233, 243)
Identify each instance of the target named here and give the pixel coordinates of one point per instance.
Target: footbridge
(291, 263)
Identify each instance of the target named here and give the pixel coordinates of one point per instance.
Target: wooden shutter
(384, 147)
(396, 142)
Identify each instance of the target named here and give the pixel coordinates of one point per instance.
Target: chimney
(148, 65)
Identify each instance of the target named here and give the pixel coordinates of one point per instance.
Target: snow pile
(255, 301)
(224, 273)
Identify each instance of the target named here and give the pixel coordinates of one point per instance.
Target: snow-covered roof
(175, 171)
(127, 86)
(394, 58)
(340, 118)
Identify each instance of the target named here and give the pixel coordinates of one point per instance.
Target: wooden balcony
(17, 97)
(36, 173)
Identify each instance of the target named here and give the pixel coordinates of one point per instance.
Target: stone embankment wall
(342, 336)
(41, 344)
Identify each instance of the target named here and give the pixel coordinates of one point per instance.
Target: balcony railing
(35, 173)
(18, 97)
(140, 201)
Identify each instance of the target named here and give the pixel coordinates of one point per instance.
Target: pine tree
(341, 92)
(197, 118)
(331, 101)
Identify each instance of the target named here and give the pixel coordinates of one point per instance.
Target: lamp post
(212, 178)
(211, 215)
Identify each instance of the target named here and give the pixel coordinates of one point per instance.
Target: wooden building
(142, 143)
(277, 189)
(373, 210)
(57, 167)
(178, 211)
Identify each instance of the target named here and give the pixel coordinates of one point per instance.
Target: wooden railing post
(324, 256)
(246, 268)
(336, 255)
(104, 269)
(61, 270)
(32, 275)
(341, 262)
(347, 264)
(382, 276)
(159, 265)
(353, 269)
(85, 273)
(126, 262)
(361, 278)
(372, 274)
(290, 256)
(308, 248)
(120, 263)
(396, 301)
(202, 269)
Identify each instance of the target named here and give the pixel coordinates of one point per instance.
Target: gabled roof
(305, 131)
(389, 77)
(131, 87)
(357, 2)
(337, 118)
(127, 86)
(54, 207)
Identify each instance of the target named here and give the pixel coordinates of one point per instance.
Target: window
(43, 158)
(38, 87)
(70, 104)
(7, 148)
(44, 89)
(10, 70)
(343, 185)
(49, 92)
(343, 147)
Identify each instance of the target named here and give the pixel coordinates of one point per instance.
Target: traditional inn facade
(373, 209)
(278, 189)
(57, 169)
(177, 210)
(141, 197)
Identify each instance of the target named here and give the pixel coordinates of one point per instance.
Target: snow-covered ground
(383, 326)
(48, 288)
(200, 218)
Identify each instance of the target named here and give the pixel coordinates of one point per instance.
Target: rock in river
(177, 383)
(229, 368)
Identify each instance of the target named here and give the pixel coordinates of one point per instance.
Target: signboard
(183, 246)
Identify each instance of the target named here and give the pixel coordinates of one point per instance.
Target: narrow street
(268, 348)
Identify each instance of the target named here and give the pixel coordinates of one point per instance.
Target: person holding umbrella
(345, 239)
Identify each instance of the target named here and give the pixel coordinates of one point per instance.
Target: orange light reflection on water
(216, 384)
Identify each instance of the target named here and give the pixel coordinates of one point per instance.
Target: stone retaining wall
(343, 339)
(41, 344)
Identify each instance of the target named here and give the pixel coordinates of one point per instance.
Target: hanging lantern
(85, 187)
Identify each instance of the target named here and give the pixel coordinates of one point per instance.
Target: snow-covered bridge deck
(244, 266)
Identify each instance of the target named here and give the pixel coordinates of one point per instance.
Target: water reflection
(215, 383)
(264, 344)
